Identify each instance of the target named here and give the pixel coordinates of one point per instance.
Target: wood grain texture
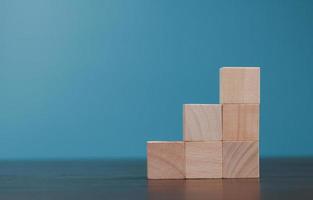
(240, 159)
(165, 160)
(241, 121)
(202, 122)
(203, 159)
(240, 85)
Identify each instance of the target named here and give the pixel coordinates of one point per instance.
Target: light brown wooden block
(241, 121)
(202, 122)
(203, 159)
(165, 160)
(240, 159)
(240, 85)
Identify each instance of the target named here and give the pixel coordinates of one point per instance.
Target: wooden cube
(165, 160)
(202, 122)
(240, 85)
(203, 159)
(240, 159)
(241, 121)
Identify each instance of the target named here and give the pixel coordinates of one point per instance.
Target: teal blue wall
(93, 79)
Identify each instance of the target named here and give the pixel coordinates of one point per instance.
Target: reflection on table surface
(281, 178)
(204, 189)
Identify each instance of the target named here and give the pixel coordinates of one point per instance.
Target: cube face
(202, 122)
(240, 159)
(166, 160)
(240, 85)
(241, 121)
(203, 159)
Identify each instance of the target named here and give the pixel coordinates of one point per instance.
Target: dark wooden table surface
(281, 178)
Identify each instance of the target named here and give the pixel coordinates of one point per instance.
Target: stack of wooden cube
(220, 140)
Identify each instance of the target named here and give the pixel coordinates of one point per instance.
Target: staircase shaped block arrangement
(220, 140)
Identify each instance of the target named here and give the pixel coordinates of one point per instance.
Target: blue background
(96, 79)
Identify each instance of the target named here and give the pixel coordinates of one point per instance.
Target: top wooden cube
(240, 85)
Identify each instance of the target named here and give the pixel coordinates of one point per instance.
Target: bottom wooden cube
(203, 159)
(165, 160)
(240, 159)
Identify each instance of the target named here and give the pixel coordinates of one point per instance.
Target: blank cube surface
(166, 160)
(240, 85)
(202, 122)
(241, 121)
(203, 159)
(240, 159)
